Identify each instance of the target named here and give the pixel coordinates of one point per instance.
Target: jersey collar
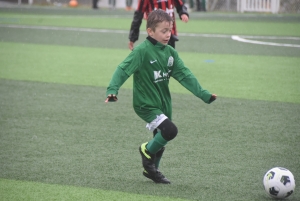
(156, 43)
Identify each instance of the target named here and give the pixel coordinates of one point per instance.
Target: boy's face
(162, 32)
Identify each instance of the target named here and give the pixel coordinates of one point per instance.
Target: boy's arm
(117, 80)
(181, 8)
(191, 83)
(125, 69)
(136, 22)
(187, 79)
(135, 26)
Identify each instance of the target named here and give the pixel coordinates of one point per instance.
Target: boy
(146, 6)
(152, 63)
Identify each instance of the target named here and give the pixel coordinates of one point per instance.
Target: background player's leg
(172, 42)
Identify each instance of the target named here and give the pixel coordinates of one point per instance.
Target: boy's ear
(150, 32)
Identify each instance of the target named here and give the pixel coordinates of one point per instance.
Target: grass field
(59, 141)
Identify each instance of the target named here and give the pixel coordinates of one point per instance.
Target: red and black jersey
(146, 6)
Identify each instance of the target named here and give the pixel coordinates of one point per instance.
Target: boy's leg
(159, 154)
(168, 131)
(148, 151)
(156, 143)
(172, 42)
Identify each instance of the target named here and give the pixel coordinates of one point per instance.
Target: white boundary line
(100, 30)
(233, 37)
(63, 28)
(273, 37)
(237, 38)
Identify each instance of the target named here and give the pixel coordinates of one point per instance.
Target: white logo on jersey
(151, 62)
(170, 61)
(157, 75)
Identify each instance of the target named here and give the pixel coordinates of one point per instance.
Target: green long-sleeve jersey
(152, 64)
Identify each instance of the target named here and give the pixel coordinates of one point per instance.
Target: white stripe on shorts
(156, 122)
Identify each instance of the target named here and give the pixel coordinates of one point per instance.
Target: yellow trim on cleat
(143, 149)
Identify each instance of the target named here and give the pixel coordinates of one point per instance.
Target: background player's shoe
(147, 160)
(157, 178)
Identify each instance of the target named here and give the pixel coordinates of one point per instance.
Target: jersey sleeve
(132, 62)
(180, 8)
(124, 71)
(191, 83)
(135, 26)
(137, 21)
(187, 79)
(117, 80)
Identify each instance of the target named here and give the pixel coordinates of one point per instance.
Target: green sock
(158, 156)
(156, 143)
(157, 161)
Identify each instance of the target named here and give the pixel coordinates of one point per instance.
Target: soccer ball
(279, 182)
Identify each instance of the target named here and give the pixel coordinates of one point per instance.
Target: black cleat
(158, 178)
(147, 159)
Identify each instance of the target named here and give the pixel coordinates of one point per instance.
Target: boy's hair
(157, 16)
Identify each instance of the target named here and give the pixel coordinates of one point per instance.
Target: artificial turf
(60, 141)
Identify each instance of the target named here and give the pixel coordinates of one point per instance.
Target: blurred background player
(112, 4)
(201, 5)
(128, 5)
(95, 4)
(146, 6)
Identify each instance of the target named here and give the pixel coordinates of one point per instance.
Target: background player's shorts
(156, 122)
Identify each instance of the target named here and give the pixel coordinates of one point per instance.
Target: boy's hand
(130, 45)
(184, 18)
(111, 98)
(213, 98)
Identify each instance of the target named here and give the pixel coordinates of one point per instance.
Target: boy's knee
(168, 130)
(170, 134)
